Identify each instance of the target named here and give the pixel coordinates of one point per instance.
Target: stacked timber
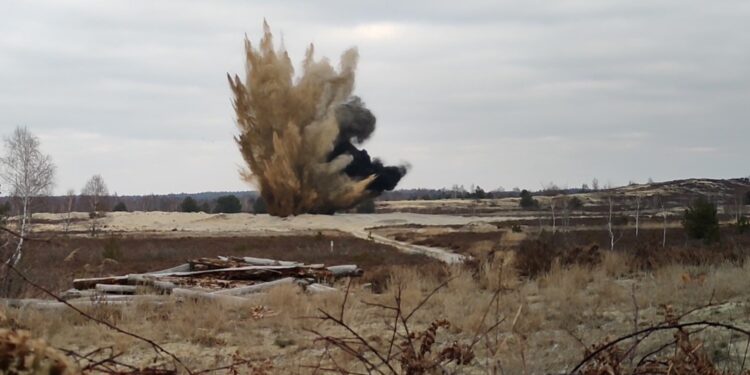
(228, 280)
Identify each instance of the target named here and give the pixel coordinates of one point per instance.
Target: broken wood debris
(226, 280)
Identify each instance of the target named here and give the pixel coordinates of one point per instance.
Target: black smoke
(356, 124)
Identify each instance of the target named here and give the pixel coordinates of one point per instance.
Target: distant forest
(207, 201)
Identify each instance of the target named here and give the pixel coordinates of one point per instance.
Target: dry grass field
(526, 302)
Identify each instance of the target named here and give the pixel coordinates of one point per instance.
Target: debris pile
(231, 280)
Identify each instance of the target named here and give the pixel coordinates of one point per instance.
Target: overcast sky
(494, 93)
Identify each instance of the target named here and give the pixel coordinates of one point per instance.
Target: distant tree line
(72, 202)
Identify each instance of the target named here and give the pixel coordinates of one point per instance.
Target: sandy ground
(243, 222)
(192, 224)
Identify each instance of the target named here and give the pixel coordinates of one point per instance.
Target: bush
(120, 207)
(575, 203)
(259, 206)
(743, 225)
(366, 207)
(535, 256)
(4, 212)
(189, 205)
(228, 204)
(701, 222)
(527, 201)
(112, 249)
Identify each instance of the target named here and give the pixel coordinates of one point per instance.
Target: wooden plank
(347, 270)
(115, 289)
(262, 287)
(269, 262)
(319, 288)
(262, 273)
(150, 280)
(90, 283)
(181, 268)
(89, 302)
(205, 296)
(75, 293)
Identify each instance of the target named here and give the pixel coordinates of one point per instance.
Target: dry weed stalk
(20, 353)
(682, 355)
(403, 349)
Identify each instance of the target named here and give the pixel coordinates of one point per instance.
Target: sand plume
(299, 138)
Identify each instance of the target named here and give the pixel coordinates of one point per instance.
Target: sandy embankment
(202, 224)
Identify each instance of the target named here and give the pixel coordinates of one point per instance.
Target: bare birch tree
(552, 205)
(70, 199)
(738, 197)
(560, 201)
(664, 215)
(29, 174)
(637, 213)
(610, 227)
(95, 190)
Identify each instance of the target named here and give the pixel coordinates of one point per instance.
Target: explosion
(300, 139)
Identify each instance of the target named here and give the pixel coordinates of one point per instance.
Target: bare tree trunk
(552, 205)
(609, 226)
(739, 210)
(637, 213)
(664, 236)
(67, 219)
(18, 253)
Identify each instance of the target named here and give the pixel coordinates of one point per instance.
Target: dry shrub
(401, 347)
(650, 254)
(729, 281)
(536, 256)
(683, 355)
(417, 354)
(587, 256)
(20, 353)
(616, 264)
(498, 273)
(380, 277)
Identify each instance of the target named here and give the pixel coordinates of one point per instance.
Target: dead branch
(157, 348)
(647, 331)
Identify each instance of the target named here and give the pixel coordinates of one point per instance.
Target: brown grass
(542, 316)
(54, 265)
(549, 321)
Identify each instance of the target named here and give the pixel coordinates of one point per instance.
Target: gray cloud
(486, 92)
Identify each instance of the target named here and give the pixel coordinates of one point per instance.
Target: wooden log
(269, 262)
(202, 264)
(259, 273)
(211, 297)
(181, 268)
(115, 289)
(99, 301)
(90, 283)
(319, 288)
(244, 290)
(105, 298)
(348, 270)
(150, 280)
(21, 303)
(75, 293)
